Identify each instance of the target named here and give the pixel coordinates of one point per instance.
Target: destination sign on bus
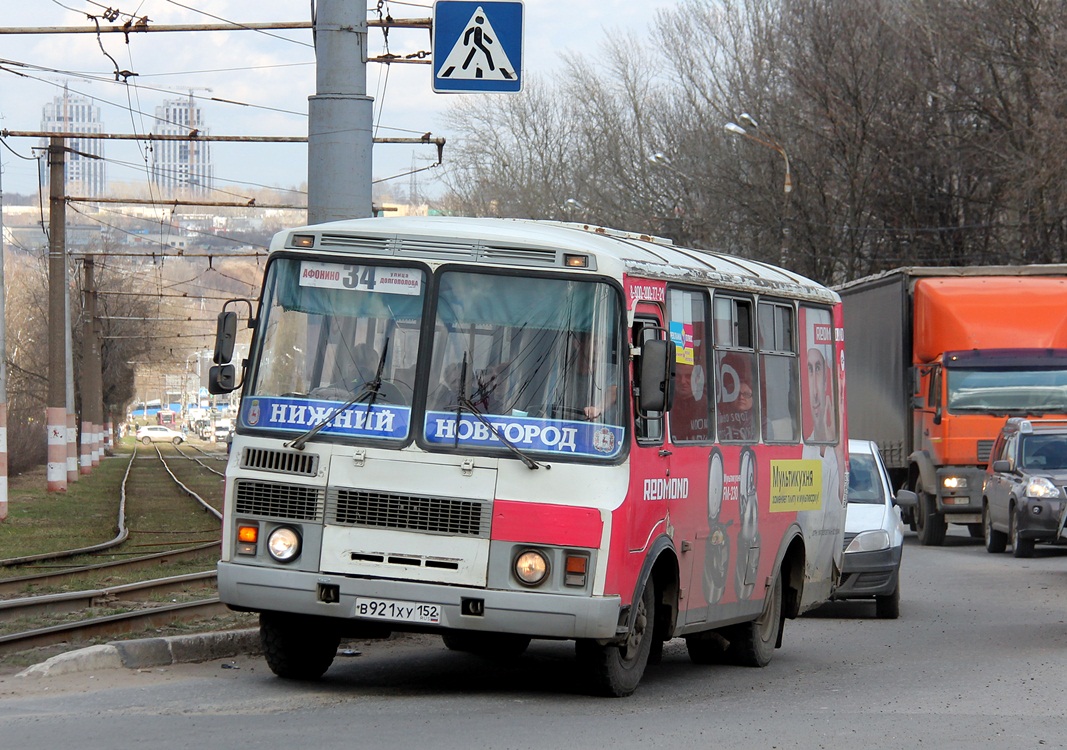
(555, 436)
(377, 279)
(358, 420)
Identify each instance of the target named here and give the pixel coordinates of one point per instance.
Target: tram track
(60, 598)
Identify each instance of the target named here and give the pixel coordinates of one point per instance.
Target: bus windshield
(535, 361)
(528, 363)
(337, 335)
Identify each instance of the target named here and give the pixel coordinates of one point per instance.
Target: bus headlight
(284, 544)
(531, 567)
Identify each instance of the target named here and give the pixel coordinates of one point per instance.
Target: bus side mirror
(657, 375)
(225, 337)
(221, 379)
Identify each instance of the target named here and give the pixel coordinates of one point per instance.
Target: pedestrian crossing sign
(477, 46)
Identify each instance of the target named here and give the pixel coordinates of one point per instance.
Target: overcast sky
(274, 71)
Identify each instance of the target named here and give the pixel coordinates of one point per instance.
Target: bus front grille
(437, 515)
(285, 462)
(295, 502)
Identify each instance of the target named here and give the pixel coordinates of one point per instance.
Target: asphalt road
(977, 659)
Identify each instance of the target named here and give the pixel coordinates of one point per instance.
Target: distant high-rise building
(86, 170)
(181, 165)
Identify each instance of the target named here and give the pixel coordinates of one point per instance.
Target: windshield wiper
(367, 389)
(375, 385)
(464, 402)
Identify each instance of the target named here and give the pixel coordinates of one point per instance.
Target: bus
(502, 430)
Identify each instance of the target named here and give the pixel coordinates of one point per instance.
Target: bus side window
(649, 427)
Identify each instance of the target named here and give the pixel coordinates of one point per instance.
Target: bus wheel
(295, 647)
(616, 668)
(752, 644)
(489, 645)
(930, 525)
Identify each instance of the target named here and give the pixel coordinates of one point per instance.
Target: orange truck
(936, 360)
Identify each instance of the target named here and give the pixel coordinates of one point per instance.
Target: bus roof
(535, 243)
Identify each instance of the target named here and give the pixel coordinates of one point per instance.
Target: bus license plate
(388, 609)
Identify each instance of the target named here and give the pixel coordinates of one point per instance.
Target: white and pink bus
(503, 430)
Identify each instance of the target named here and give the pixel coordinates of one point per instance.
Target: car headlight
(284, 544)
(531, 567)
(1041, 487)
(869, 541)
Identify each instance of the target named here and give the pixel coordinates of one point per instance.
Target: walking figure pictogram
(480, 51)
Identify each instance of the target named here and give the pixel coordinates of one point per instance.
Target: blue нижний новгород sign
(477, 46)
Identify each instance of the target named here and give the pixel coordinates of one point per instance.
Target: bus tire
(615, 669)
(296, 647)
(752, 644)
(489, 645)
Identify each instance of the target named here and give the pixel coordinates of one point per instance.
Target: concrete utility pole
(3, 363)
(340, 116)
(92, 382)
(56, 412)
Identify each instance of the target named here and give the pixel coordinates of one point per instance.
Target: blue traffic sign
(477, 46)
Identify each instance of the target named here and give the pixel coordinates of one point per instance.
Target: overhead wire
(238, 25)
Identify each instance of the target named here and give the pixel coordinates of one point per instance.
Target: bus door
(650, 459)
(690, 436)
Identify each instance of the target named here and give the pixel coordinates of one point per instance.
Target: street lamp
(764, 140)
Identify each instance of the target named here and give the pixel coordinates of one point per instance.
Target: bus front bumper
(252, 588)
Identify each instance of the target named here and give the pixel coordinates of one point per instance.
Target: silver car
(874, 533)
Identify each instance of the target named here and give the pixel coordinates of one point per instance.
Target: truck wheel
(1019, 547)
(296, 647)
(929, 524)
(995, 541)
(616, 668)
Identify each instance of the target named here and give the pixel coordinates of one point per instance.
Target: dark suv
(1024, 498)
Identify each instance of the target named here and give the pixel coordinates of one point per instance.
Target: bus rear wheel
(298, 647)
(752, 644)
(615, 669)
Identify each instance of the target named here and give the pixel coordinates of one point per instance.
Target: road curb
(150, 652)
